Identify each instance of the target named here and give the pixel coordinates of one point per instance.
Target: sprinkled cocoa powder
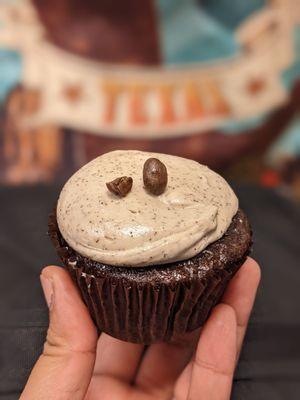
(194, 209)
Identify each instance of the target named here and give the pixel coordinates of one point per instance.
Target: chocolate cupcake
(151, 244)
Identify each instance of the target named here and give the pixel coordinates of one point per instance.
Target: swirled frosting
(141, 229)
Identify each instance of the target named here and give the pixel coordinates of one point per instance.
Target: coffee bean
(120, 186)
(155, 176)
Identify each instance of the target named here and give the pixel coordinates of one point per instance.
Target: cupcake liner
(143, 312)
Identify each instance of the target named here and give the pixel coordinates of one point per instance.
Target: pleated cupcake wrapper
(143, 312)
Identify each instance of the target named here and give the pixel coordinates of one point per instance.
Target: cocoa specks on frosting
(195, 209)
(120, 186)
(155, 176)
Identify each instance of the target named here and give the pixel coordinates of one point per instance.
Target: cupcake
(151, 240)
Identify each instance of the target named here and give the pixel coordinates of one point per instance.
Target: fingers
(117, 358)
(64, 369)
(240, 295)
(116, 366)
(182, 386)
(163, 363)
(214, 363)
(109, 388)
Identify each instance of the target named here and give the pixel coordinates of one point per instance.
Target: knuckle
(215, 369)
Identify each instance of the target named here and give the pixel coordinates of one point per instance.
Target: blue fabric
(231, 13)
(10, 71)
(235, 127)
(288, 142)
(189, 34)
(291, 74)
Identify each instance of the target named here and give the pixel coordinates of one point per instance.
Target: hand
(76, 365)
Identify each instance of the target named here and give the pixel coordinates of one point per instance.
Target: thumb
(65, 367)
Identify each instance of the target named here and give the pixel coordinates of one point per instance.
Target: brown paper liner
(142, 312)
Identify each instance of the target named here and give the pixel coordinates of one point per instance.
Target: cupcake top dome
(131, 225)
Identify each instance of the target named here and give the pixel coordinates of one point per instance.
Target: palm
(129, 371)
(186, 368)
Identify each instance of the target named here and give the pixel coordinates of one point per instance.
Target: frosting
(141, 229)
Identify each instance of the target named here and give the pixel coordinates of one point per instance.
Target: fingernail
(47, 286)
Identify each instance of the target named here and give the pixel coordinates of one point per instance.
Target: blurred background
(217, 81)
